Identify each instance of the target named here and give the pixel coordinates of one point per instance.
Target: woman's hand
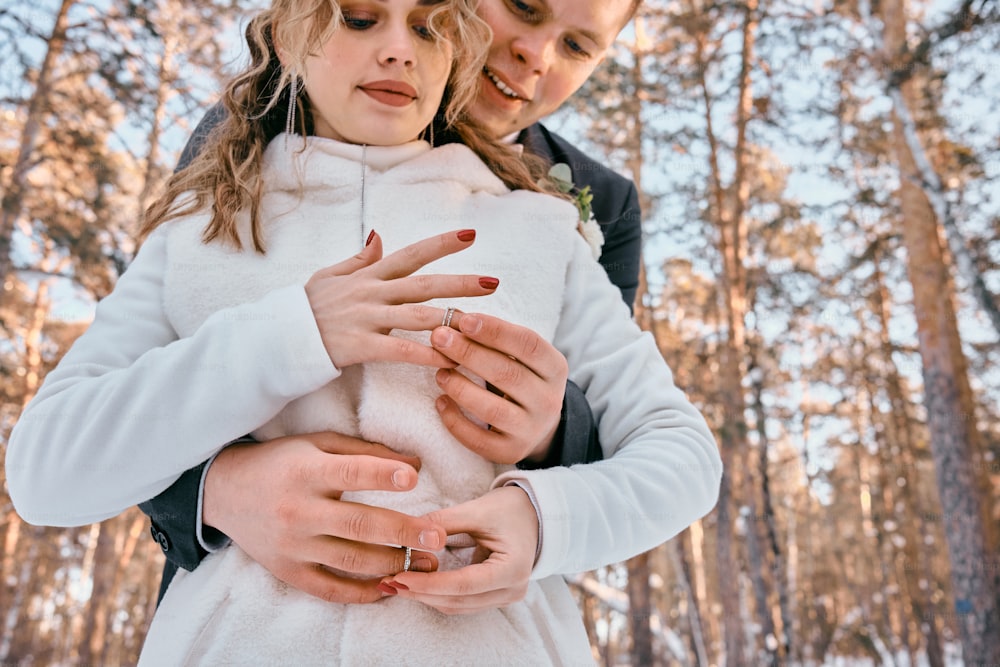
(529, 374)
(505, 526)
(360, 300)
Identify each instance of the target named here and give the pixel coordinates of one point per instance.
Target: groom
(279, 500)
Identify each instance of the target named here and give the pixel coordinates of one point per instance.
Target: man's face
(542, 52)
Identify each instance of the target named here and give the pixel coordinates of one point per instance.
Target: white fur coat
(152, 388)
(230, 610)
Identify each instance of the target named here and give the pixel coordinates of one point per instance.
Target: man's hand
(526, 368)
(280, 502)
(504, 524)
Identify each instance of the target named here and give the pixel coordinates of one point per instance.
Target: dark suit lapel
(535, 142)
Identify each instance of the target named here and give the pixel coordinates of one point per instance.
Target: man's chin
(499, 127)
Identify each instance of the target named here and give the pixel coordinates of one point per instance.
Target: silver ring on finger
(448, 314)
(406, 560)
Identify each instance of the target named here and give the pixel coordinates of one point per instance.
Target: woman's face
(380, 77)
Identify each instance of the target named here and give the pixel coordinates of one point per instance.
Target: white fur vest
(231, 611)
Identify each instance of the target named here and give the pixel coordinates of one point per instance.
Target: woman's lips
(393, 93)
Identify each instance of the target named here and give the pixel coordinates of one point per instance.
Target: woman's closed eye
(358, 21)
(575, 48)
(424, 32)
(525, 10)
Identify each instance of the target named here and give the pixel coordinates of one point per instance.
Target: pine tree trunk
(912, 523)
(756, 570)
(776, 557)
(95, 628)
(640, 610)
(680, 565)
(12, 201)
(732, 239)
(22, 587)
(950, 413)
(33, 343)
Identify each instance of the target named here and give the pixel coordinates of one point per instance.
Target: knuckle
(510, 374)
(350, 473)
(424, 283)
(360, 526)
(400, 537)
(528, 344)
(424, 313)
(338, 595)
(351, 560)
(499, 413)
(400, 346)
(287, 512)
(411, 252)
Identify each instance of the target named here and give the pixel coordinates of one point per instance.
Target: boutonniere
(561, 175)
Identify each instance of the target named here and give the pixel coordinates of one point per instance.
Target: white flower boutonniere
(589, 229)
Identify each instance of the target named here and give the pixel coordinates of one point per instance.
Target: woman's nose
(398, 48)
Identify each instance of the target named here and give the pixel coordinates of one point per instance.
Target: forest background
(822, 238)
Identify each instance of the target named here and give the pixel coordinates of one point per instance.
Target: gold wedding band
(448, 314)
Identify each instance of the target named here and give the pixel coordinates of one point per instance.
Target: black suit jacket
(174, 513)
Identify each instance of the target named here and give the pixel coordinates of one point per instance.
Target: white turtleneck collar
(379, 158)
(315, 162)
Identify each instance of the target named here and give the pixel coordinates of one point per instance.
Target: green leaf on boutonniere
(584, 199)
(562, 177)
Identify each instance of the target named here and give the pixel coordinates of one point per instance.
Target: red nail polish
(371, 235)
(488, 283)
(387, 589)
(467, 235)
(396, 584)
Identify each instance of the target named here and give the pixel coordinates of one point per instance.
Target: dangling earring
(428, 134)
(293, 101)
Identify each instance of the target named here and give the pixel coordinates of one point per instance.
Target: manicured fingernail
(440, 404)
(429, 539)
(371, 235)
(400, 479)
(388, 590)
(467, 235)
(488, 283)
(442, 376)
(422, 565)
(399, 586)
(470, 324)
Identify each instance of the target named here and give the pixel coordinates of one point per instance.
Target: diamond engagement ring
(406, 562)
(448, 314)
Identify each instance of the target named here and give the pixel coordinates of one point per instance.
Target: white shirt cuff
(218, 538)
(534, 503)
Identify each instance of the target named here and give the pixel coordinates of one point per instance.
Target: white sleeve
(131, 407)
(662, 467)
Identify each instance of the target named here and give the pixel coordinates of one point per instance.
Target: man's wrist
(209, 537)
(553, 454)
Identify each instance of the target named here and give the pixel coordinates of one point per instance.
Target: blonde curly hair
(226, 174)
